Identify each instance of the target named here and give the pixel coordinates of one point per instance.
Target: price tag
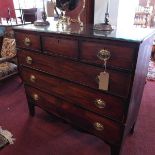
(103, 81)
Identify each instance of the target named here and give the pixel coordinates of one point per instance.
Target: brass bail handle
(105, 56)
(28, 60)
(98, 126)
(35, 97)
(100, 103)
(33, 78)
(27, 41)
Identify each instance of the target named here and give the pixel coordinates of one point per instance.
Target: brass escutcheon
(100, 103)
(104, 54)
(27, 41)
(33, 78)
(35, 97)
(28, 60)
(98, 126)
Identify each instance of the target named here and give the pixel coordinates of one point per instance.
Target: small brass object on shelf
(66, 7)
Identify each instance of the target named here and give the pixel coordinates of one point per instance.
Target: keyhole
(58, 41)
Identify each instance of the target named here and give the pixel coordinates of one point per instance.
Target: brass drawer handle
(33, 78)
(104, 54)
(27, 41)
(28, 60)
(35, 97)
(98, 126)
(100, 103)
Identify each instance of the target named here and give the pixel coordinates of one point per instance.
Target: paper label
(103, 80)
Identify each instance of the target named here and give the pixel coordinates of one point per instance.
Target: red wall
(4, 5)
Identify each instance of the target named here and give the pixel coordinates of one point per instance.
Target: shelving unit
(143, 16)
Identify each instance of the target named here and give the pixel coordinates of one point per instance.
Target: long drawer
(95, 101)
(99, 126)
(119, 82)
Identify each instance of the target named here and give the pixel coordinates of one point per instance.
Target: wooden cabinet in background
(145, 14)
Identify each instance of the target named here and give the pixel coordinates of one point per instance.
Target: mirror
(74, 12)
(67, 5)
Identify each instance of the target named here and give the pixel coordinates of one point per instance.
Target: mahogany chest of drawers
(60, 71)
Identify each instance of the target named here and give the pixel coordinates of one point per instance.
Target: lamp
(104, 26)
(42, 22)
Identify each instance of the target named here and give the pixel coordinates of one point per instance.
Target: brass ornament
(66, 7)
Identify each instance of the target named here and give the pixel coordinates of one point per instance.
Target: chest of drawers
(60, 73)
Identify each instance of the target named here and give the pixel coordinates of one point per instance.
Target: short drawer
(121, 56)
(119, 82)
(61, 46)
(99, 126)
(28, 40)
(95, 101)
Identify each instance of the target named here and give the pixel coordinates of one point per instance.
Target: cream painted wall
(121, 12)
(126, 13)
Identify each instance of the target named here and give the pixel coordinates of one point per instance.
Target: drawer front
(60, 46)
(120, 56)
(98, 102)
(42, 100)
(99, 126)
(119, 82)
(28, 40)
